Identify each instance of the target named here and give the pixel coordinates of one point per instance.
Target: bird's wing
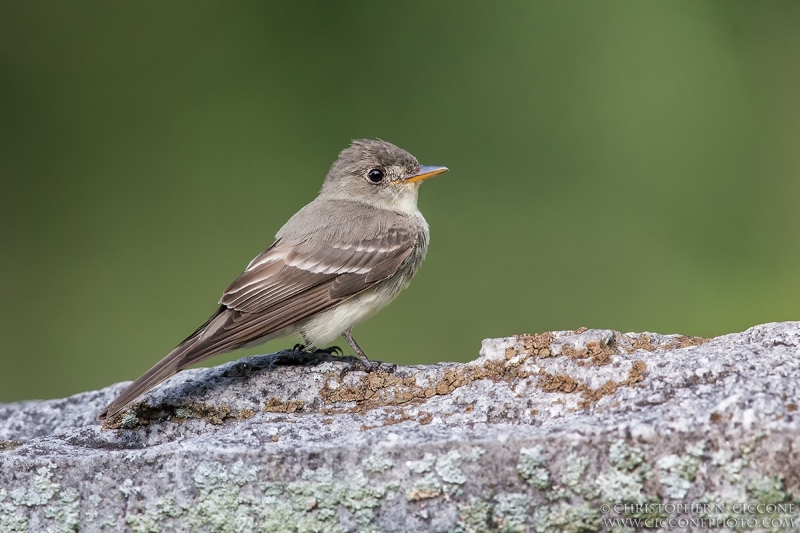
(289, 283)
(285, 271)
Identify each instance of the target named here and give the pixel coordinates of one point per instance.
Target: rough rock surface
(549, 432)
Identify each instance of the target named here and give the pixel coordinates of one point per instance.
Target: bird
(335, 263)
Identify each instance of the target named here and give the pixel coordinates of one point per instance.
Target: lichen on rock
(540, 433)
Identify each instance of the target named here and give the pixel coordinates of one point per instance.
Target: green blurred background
(626, 165)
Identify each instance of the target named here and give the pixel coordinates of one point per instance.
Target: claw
(333, 350)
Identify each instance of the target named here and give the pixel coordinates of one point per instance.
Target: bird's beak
(423, 174)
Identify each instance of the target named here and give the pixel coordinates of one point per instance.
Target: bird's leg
(364, 360)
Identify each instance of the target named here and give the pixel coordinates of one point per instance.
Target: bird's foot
(299, 349)
(365, 365)
(363, 362)
(302, 349)
(330, 350)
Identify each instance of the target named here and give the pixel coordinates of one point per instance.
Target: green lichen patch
(474, 454)
(532, 467)
(732, 465)
(377, 462)
(677, 472)
(566, 518)
(316, 499)
(625, 482)
(129, 420)
(143, 414)
(61, 507)
(443, 475)
(502, 512)
(156, 512)
(510, 512)
(66, 512)
(221, 505)
(574, 468)
(11, 519)
(423, 465)
(428, 486)
(40, 491)
(474, 516)
(768, 489)
(625, 458)
(675, 485)
(230, 501)
(449, 468)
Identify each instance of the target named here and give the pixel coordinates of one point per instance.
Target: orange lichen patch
(215, 415)
(567, 384)
(244, 414)
(395, 417)
(417, 494)
(379, 386)
(646, 342)
(683, 341)
(642, 342)
(424, 418)
(8, 445)
(537, 345)
(593, 395)
(451, 380)
(636, 373)
(276, 405)
(557, 383)
(499, 370)
(381, 389)
(596, 352)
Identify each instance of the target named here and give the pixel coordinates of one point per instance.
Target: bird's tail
(163, 370)
(190, 351)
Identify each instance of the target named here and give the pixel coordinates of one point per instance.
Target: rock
(560, 431)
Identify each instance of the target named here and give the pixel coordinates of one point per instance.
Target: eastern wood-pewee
(336, 262)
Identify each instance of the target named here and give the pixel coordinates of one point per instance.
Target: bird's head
(378, 173)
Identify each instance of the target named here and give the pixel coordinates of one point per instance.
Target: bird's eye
(375, 175)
